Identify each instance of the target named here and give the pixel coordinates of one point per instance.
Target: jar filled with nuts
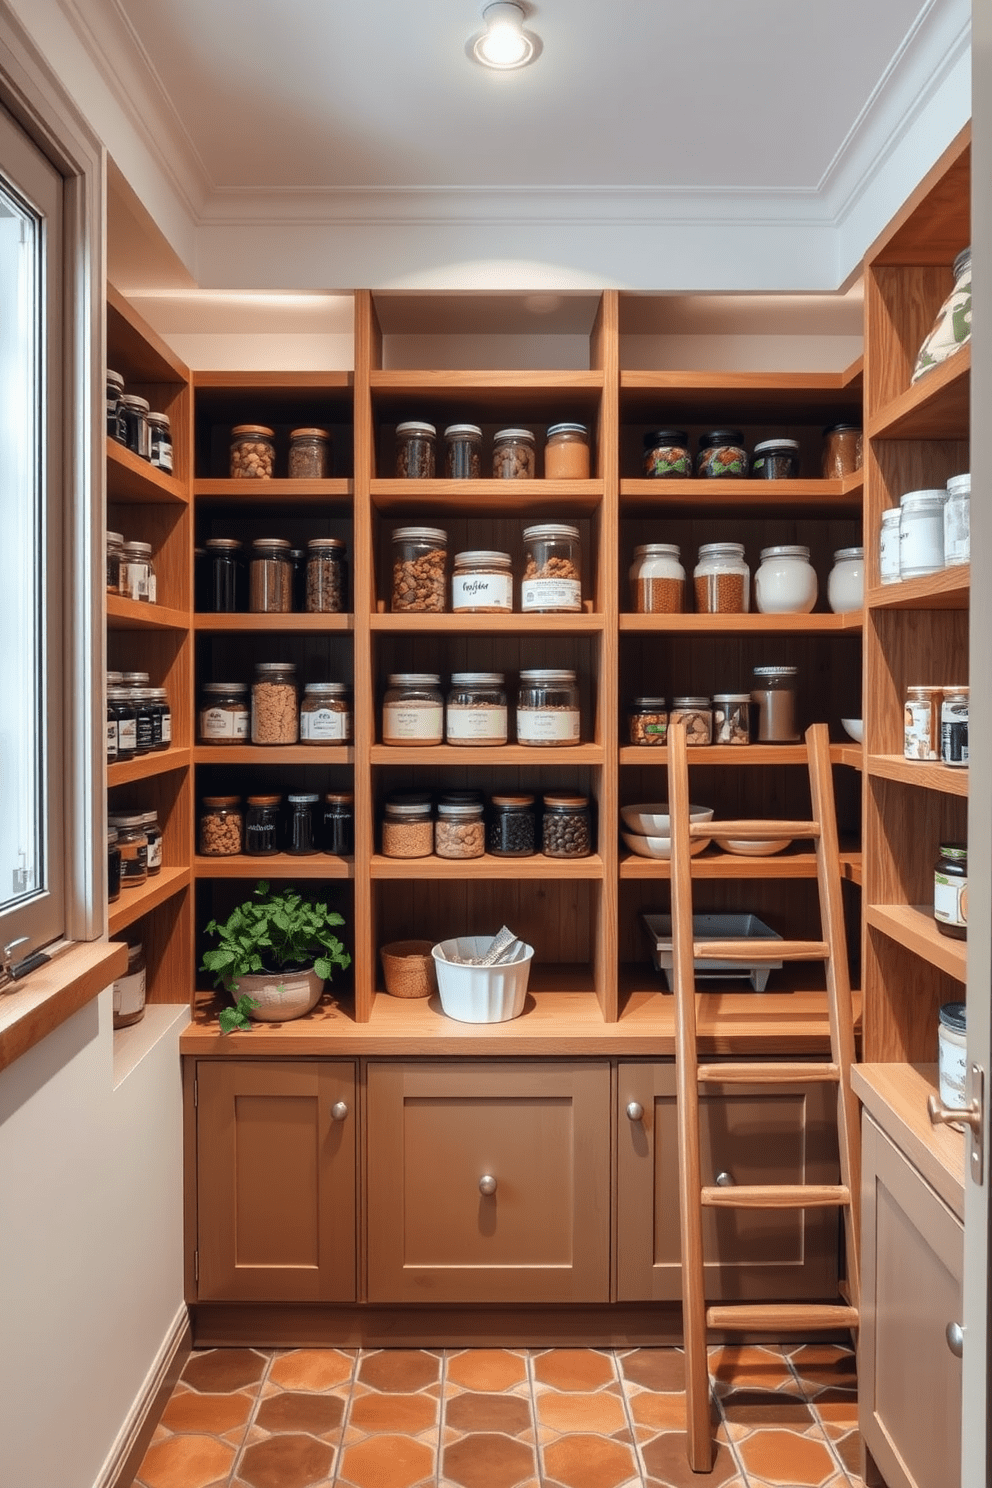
(459, 830)
(309, 454)
(224, 713)
(482, 583)
(476, 709)
(463, 452)
(567, 826)
(325, 714)
(325, 576)
(648, 720)
(270, 589)
(657, 580)
(722, 580)
(552, 581)
(548, 708)
(697, 715)
(221, 827)
(407, 826)
(415, 450)
(513, 455)
(413, 709)
(420, 556)
(731, 718)
(253, 453)
(274, 711)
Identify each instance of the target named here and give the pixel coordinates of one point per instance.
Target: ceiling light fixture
(504, 44)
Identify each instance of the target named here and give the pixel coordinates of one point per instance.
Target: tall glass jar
(302, 831)
(548, 709)
(475, 714)
(133, 420)
(160, 441)
(253, 452)
(512, 828)
(226, 575)
(222, 827)
(413, 709)
(722, 580)
(657, 580)
(309, 454)
(513, 455)
(325, 576)
(274, 712)
(552, 581)
(325, 714)
(420, 557)
(785, 581)
(957, 521)
(566, 452)
(408, 826)
(262, 826)
(846, 581)
(950, 890)
(459, 831)
(338, 836)
(415, 450)
(115, 554)
(224, 716)
(113, 867)
(482, 583)
(270, 590)
(462, 452)
(566, 828)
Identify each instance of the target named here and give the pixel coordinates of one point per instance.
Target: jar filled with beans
(722, 580)
(657, 580)
(416, 450)
(697, 715)
(222, 827)
(567, 826)
(309, 454)
(459, 831)
(512, 830)
(325, 576)
(513, 455)
(420, 557)
(270, 586)
(552, 581)
(274, 709)
(407, 826)
(253, 452)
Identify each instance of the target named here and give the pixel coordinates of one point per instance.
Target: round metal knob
(339, 1111)
(635, 1110)
(487, 1184)
(954, 1333)
(724, 1180)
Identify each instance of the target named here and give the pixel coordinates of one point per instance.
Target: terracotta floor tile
(486, 1369)
(585, 1461)
(312, 1369)
(400, 1370)
(664, 1412)
(293, 1410)
(472, 1411)
(386, 1462)
(574, 1369)
(188, 1411)
(848, 1449)
(781, 1457)
(487, 1460)
(599, 1412)
(766, 1408)
(655, 1368)
(841, 1409)
(186, 1462)
(665, 1460)
(411, 1414)
(286, 1462)
(219, 1371)
(824, 1364)
(747, 1366)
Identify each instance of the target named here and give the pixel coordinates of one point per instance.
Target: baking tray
(713, 927)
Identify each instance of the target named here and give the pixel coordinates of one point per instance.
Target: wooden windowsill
(33, 1008)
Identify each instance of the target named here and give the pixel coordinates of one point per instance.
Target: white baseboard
(119, 1469)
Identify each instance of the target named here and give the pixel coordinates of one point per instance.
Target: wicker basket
(409, 968)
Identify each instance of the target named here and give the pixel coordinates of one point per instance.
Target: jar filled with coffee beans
(221, 827)
(567, 826)
(420, 558)
(512, 828)
(325, 576)
(253, 452)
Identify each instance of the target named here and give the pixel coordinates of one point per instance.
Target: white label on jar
(950, 900)
(127, 735)
(952, 1068)
(166, 727)
(486, 722)
(423, 722)
(551, 594)
(224, 723)
(129, 994)
(921, 542)
(888, 553)
(134, 580)
(154, 853)
(957, 531)
(547, 725)
(919, 743)
(112, 739)
(163, 457)
(323, 724)
(152, 588)
(482, 592)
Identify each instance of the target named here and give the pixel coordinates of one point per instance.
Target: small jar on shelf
(420, 557)
(952, 1054)
(113, 867)
(226, 575)
(133, 844)
(115, 387)
(566, 452)
(785, 581)
(950, 890)
(115, 556)
(732, 718)
(309, 454)
(416, 444)
(954, 727)
(841, 451)
(552, 581)
(413, 709)
(921, 533)
(697, 716)
(548, 713)
(125, 714)
(459, 830)
(163, 718)
(722, 455)
(137, 573)
(657, 580)
(513, 455)
(482, 583)
(253, 452)
(160, 442)
(153, 833)
(325, 576)
(667, 455)
(129, 991)
(957, 521)
(302, 830)
(462, 452)
(275, 715)
(722, 580)
(325, 714)
(775, 459)
(408, 825)
(774, 695)
(222, 827)
(224, 713)
(566, 828)
(338, 835)
(270, 588)
(921, 723)
(475, 713)
(132, 417)
(888, 546)
(512, 829)
(648, 720)
(262, 826)
(846, 581)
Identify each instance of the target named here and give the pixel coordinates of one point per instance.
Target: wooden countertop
(31, 1009)
(895, 1095)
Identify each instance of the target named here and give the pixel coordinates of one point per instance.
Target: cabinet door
(275, 1181)
(909, 1382)
(439, 1135)
(764, 1134)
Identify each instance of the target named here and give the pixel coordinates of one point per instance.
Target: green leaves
(272, 930)
(236, 1018)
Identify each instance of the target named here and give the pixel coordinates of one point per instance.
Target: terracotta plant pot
(280, 996)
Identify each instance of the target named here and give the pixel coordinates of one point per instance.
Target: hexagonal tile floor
(784, 1417)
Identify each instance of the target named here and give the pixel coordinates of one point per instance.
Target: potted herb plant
(274, 954)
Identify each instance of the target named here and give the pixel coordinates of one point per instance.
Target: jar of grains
(301, 824)
(462, 452)
(957, 521)
(954, 726)
(921, 723)
(270, 588)
(548, 709)
(648, 720)
(566, 830)
(731, 718)
(221, 827)
(459, 831)
(338, 835)
(774, 694)
(253, 452)
(722, 455)
(785, 581)
(115, 554)
(274, 711)
(153, 832)
(133, 844)
(841, 451)
(512, 827)
(129, 990)
(309, 454)
(552, 581)
(513, 455)
(420, 556)
(888, 546)
(325, 576)
(132, 417)
(137, 573)
(113, 867)
(776, 459)
(115, 386)
(325, 714)
(415, 446)
(223, 557)
(697, 715)
(407, 826)
(566, 452)
(482, 583)
(722, 580)
(413, 709)
(921, 533)
(224, 713)
(476, 709)
(846, 581)
(262, 826)
(667, 455)
(160, 441)
(657, 580)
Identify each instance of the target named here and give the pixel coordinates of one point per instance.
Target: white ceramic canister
(957, 521)
(888, 547)
(921, 533)
(952, 1053)
(785, 582)
(846, 581)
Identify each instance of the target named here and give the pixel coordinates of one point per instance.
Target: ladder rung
(760, 950)
(767, 1074)
(761, 831)
(771, 1316)
(776, 1196)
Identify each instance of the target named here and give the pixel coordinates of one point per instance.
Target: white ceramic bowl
(651, 818)
(481, 994)
(658, 847)
(854, 727)
(752, 847)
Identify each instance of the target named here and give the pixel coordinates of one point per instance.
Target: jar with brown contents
(459, 830)
(648, 721)
(420, 556)
(274, 710)
(309, 454)
(415, 450)
(253, 454)
(325, 714)
(325, 576)
(552, 581)
(513, 455)
(657, 580)
(567, 827)
(697, 715)
(407, 826)
(221, 827)
(566, 453)
(270, 588)
(841, 450)
(722, 580)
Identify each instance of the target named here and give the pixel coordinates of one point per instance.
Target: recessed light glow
(504, 44)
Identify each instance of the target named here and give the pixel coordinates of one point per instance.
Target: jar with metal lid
(226, 575)
(160, 441)
(921, 723)
(309, 454)
(121, 704)
(482, 583)
(774, 692)
(888, 546)
(111, 730)
(957, 521)
(648, 720)
(154, 834)
(458, 830)
(253, 452)
(302, 832)
(262, 826)
(462, 452)
(420, 557)
(113, 867)
(325, 576)
(667, 455)
(722, 455)
(475, 712)
(224, 715)
(950, 890)
(952, 1055)
(846, 581)
(132, 419)
(776, 459)
(657, 580)
(841, 451)
(137, 573)
(115, 555)
(731, 718)
(275, 715)
(722, 580)
(115, 387)
(163, 722)
(338, 836)
(954, 727)
(222, 827)
(133, 844)
(566, 827)
(552, 581)
(408, 826)
(130, 990)
(270, 590)
(413, 709)
(511, 832)
(144, 720)
(548, 709)
(415, 450)
(921, 533)
(697, 715)
(325, 713)
(785, 581)
(513, 455)
(566, 452)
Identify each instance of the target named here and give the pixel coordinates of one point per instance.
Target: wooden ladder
(694, 1195)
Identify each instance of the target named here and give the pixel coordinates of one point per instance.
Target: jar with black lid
(950, 890)
(133, 845)
(113, 867)
(160, 441)
(567, 826)
(144, 720)
(115, 386)
(667, 455)
(462, 452)
(154, 834)
(115, 554)
(415, 450)
(226, 575)
(325, 576)
(262, 826)
(301, 826)
(512, 831)
(338, 837)
(776, 459)
(722, 455)
(111, 730)
(132, 419)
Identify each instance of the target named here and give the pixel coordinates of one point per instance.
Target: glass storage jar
(846, 581)
(309, 454)
(325, 583)
(841, 451)
(462, 452)
(888, 546)
(115, 386)
(512, 827)
(513, 455)
(482, 583)
(111, 735)
(301, 824)
(274, 712)
(566, 826)
(657, 580)
(413, 709)
(776, 459)
(697, 715)
(153, 832)
(163, 725)
(130, 989)
(950, 890)
(133, 844)
(223, 555)
(133, 421)
(648, 720)
(253, 452)
(952, 1055)
(137, 573)
(407, 826)
(113, 867)
(475, 713)
(224, 716)
(548, 708)
(722, 580)
(338, 835)
(954, 727)
(270, 588)
(458, 830)
(552, 581)
(921, 533)
(121, 704)
(722, 455)
(566, 452)
(115, 555)
(325, 714)
(957, 521)
(667, 455)
(921, 723)
(785, 581)
(731, 718)
(415, 450)
(262, 826)
(160, 441)
(774, 693)
(420, 556)
(222, 826)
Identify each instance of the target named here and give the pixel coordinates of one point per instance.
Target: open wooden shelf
(131, 479)
(136, 902)
(147, 766)
(134, 614)
(279, 490)
(276, 865)
(950, 779)
(949, 589)
(513, 388)
(737, 754)
(271, 624)
(486, 498)
(586, 623)
(456, 755)
(274, 754)
(936, 407)
(750, 624)
(755, 498)
(487, 867)
(914, 927)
